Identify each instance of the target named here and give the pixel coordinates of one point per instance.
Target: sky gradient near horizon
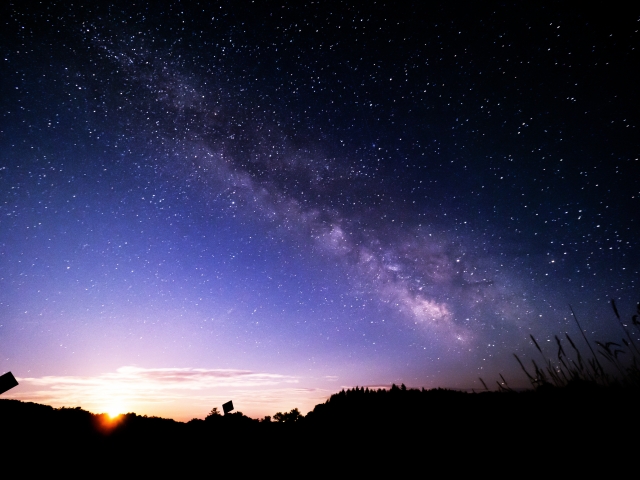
(269, 201)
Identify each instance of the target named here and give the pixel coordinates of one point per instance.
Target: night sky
(270, 201)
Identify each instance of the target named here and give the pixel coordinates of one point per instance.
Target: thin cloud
(146, 379)
(155, 390)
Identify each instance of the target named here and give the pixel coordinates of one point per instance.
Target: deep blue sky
(319, 195)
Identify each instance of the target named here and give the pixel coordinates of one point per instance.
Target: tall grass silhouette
(620, 366)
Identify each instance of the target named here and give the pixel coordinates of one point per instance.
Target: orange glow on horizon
(106, 422)
(114, 410)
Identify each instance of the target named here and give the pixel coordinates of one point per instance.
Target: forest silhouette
(358, 425)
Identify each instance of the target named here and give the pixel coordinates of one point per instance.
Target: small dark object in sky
(227, 407)
(8, 381)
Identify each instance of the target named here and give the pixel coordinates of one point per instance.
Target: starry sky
(270, 201)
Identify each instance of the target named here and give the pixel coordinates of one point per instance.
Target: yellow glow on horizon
(114, 411)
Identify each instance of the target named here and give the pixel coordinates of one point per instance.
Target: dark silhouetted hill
(354, 427)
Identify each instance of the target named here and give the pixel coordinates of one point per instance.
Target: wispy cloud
(180, 393)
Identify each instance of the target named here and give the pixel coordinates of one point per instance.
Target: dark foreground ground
(574, 428)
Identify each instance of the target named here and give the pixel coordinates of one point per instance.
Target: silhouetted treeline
(581, 406)
(354, 423)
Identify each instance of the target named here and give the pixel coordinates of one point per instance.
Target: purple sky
(270, 203)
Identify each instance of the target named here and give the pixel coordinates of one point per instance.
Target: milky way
(339, 194)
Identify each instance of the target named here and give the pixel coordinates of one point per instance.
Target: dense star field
(269, 201)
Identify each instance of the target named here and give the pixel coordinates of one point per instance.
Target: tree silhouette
(292, 417)
(214, 412)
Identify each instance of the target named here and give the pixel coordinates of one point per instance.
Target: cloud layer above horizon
(170, 391)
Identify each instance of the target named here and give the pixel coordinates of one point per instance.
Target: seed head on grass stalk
(504, 386)
(531, 379)
(561, 356)
(579, 367)
(560, 349)
(615, 311)
(587, 341)
(537, 346)
(485, 385)
(541, 378)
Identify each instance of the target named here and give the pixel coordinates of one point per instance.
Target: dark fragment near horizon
(7, 382)
(227, 407)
